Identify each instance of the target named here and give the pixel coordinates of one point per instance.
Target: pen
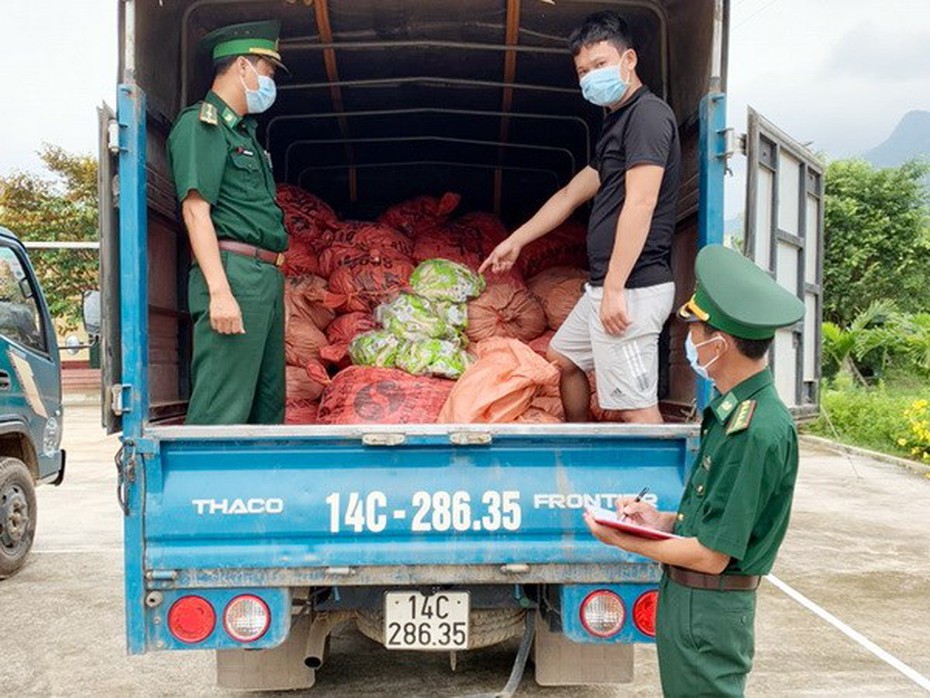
(638, 498)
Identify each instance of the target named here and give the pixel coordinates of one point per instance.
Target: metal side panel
(214, 506)
(108, 223)
(784, 236)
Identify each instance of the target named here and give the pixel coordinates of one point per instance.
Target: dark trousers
(239, 379)
(705, 640)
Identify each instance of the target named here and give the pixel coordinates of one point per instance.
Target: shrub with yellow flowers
(917, 439)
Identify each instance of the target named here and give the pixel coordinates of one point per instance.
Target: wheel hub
(14, 516)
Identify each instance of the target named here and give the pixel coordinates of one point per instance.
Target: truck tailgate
(329, 498)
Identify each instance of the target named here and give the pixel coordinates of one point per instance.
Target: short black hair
(750, 348)
(601, 26)
(225, 63)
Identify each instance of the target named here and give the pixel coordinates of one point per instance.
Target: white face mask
(692, 354)
(261, 99)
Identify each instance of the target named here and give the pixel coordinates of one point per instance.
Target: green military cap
(248, 39)
(737, 297)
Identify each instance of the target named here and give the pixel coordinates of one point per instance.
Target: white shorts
(626, 366)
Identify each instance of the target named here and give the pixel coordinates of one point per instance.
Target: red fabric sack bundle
(558, 289)
(566, 246)
(364, 395)
(302, 340)
(299, 201)
(505, 310)
(364, 287)
(305, 382)
(541, 344)
(340, 334)
(300, 258)
(301, 412)
(501, 385)
(304, 297)
(422, 212)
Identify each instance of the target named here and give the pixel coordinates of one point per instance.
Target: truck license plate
(414, 621)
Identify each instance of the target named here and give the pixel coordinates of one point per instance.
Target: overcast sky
(839, 73)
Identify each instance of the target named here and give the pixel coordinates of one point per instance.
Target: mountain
(909, 140)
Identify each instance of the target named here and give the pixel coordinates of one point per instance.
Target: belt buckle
(279, 260)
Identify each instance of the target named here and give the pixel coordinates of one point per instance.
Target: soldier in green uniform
(223, 180)
(734, 511)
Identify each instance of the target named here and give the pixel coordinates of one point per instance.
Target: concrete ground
(859, 546)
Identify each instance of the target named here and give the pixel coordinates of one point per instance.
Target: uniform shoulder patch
(742, 417)
(208, 114)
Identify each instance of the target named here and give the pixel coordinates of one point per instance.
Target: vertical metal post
(713, 166)
(135, 328)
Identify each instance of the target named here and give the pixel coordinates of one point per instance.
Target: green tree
(60, 207)
(877, 240)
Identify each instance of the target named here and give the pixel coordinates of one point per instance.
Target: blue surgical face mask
(692, 354)
(261, 99)
(604, 86)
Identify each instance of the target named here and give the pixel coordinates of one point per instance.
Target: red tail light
(644, 613)
(191, 619)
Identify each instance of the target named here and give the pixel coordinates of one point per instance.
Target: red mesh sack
(301, 412)
(363, 395)
(372, 238)
(341, 332)
(344, 255)
(421, 212)
(300, 201)
(302, 341)
(365, 286)
(541, 344)
(505, 311)
(441, 243)
(300, 258)
(558, 289)
(563, 247)
(304, 297)
(487, 228)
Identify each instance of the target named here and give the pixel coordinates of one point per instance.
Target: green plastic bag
(443, 280)
(410, 317)
(433, 357)
(455, 314)
(375, 348)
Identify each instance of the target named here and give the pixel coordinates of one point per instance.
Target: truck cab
(288, 531)
(30, 402)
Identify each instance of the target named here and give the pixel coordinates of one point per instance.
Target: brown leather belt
(715, 582)
(276, 258)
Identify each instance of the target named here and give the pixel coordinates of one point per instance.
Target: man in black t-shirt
(633, 179)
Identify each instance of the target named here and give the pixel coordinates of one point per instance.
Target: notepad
(610, 518)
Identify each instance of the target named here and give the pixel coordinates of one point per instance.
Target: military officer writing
(224, 182)
(735, 507)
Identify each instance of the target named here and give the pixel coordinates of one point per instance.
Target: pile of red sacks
(338, 272)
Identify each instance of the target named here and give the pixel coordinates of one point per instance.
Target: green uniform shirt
(738, 498)
(215, 151)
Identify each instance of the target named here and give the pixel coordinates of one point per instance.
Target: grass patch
(890, 417)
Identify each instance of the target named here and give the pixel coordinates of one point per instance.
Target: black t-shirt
(642, 131)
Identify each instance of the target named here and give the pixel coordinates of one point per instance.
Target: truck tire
(17, 515)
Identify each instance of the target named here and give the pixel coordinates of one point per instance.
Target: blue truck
(258, 541)
(30, 402)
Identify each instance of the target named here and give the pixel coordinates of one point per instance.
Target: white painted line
(853, 635)
(73, 551)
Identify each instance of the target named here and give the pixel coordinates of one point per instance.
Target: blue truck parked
(30, 402)
(257, 542)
